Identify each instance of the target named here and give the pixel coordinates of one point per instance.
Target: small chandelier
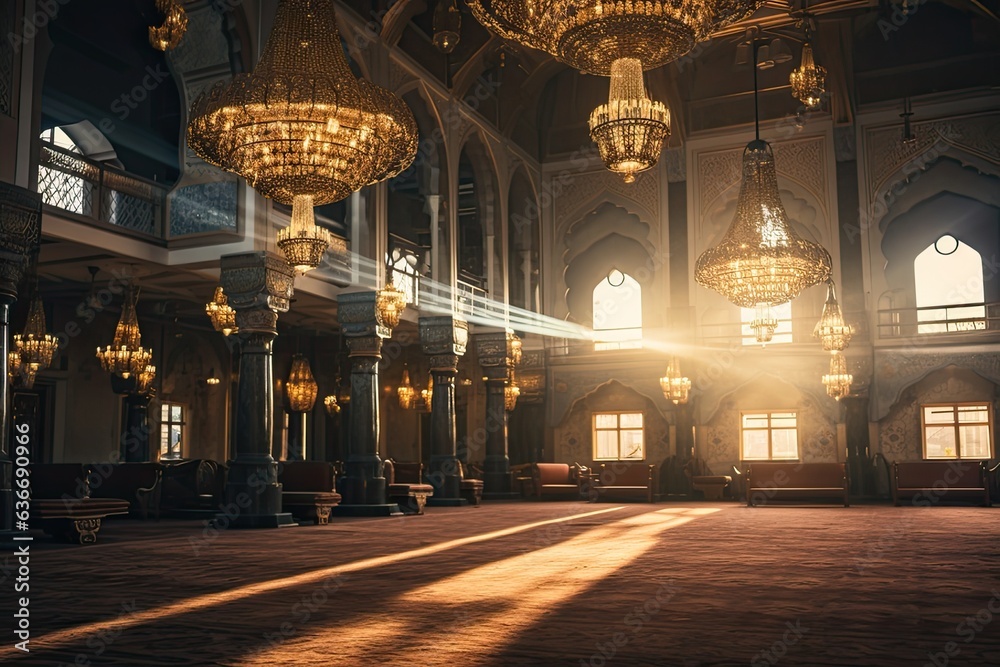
(301, 128)
(675, 387)
(126, 356)
(389, 305)
(516, 350)
(428, 394)
(630, 129)
(405, 393)
(144, 380)
(510, 393)
(221, 313)
(590, 35)
(761, 261)
(833, 332)
(301, 387)
(167, 36)
(35, 348)
(763, 324)
(331, 404)
(15, 369)
(838, 382)
(447, 26)
(809, 80)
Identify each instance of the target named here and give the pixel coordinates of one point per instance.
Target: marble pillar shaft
(496, 465)
(444, 339)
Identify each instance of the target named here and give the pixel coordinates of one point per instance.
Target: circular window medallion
(946, 245)
(616, 278)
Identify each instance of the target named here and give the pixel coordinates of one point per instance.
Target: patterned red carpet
(529, 584)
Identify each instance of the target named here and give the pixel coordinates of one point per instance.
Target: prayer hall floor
(519, 583)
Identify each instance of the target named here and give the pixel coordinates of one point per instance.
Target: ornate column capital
(20, 232)
(259, 285)
(496, 349)
(359, 317)
(444, 335)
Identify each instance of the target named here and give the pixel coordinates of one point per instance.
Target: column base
(501, 495)
(384, 509)
(446, 502)
(281, 520)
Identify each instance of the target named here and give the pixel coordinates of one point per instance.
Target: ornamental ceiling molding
(585, 190)
(895, 371)
(802, 161)
(978, 136)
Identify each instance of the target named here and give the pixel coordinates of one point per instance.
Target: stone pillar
(444, 339)
(860, 467)
(259, 286)
(135, 429)
(20, 231)
(363, 487)
(495, 352)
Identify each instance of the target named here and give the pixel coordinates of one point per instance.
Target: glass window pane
(631, 420)
(755, 421)
(754, 445)
(784, 444)
(165, 412)
(975, 441)
(973, 413)
(607, 445)
(632, 445)
(175, 413)
(940, 442)
(783, 420)
(606, 421)
(939, 414)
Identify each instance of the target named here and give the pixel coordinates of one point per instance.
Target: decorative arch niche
(523, 242)
(479, 245)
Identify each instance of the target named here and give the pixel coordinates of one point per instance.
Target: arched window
(948, 280)
(60, 188)
(404, 274)
(617, 312)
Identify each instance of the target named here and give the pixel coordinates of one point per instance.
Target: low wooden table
(713, 487)
(75, 519)
(411, 498)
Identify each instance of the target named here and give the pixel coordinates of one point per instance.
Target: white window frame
(165, 429)
(770, 434)
(956, 424)
(618, 430)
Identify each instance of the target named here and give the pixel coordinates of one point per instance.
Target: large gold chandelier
(511, 392)
(126, 355)
(35, 348)
(221, 313)
(832, 330)
(589, 35)
(301, 128)
(838, 381)
(301, 387)
(167, 36)
(405, 393)
(630, 129)
(676, 387)
(809, 80)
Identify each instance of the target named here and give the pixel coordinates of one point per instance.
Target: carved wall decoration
(895, 371)
(7, 12)
(574, 191)
(674, 161)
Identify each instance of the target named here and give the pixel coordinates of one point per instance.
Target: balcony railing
(962, 318)
(95, 191)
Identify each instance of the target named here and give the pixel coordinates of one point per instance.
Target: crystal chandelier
(35, 348)
(331, 404)
(675, 387)
(447, 26)
(301, 387)
(301, 128)
(14, 367)
(428, 394)
(630, 129)
(809, 80)
(144, 380)
(221, 313)
(126, 356)
(763, 324)
(389, 305)
(510, 393)
(761, 261)
(838, 382)
(167, 36)
(405, 393)
(589, 35)
(833, 332)
(516, 350)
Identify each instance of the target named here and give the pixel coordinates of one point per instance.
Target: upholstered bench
(796, 481)
(712, 487)
(61, 505)
(926, 482)
(624, 481)
(138, 483)
(405, 486)
(307, 489)
(555, 480)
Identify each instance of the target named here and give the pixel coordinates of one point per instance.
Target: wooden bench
(137, 483)
(555, 480)
(405, 485)
(711, 487)
(307, 489)
(772, 480)
(61, 506)
(934, 480)
(624, 481)
(469, 488)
